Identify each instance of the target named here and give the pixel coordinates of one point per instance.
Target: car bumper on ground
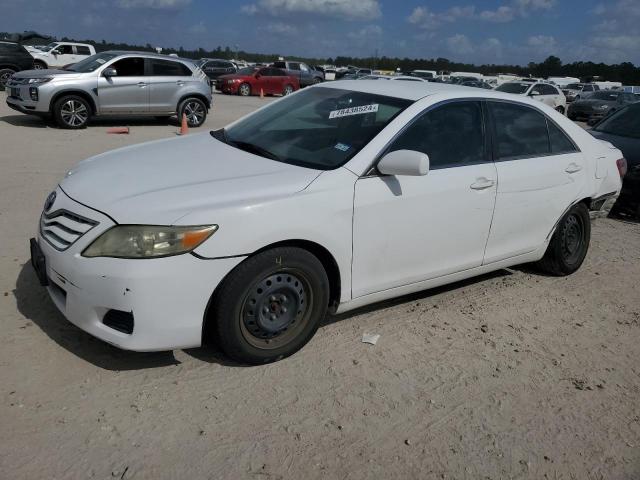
(142, 305)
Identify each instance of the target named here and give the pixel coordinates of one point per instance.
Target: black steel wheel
(569, 244)
(195, 110)
(72, 112)
(270, 305)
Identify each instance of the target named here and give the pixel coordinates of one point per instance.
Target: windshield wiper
(253, 148)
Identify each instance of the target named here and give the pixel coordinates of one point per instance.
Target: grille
(62, 228)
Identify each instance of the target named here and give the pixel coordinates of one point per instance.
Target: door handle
(482, 184)
(573, 168)
(142, 84)
(180, 83)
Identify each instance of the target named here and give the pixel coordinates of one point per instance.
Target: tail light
(622, 166)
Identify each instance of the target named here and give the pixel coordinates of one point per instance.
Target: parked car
(113, 83)
(404, 78)
(575, 91)
(214, 67)
(426, 74)
(60, 54)
(306, 75)
(622, 130)
(477, 84)
(253, 80)
(339, 196)
(13, 58)
(599, 104)
(542, 92)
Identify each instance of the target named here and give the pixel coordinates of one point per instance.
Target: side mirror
(56, 51)
(404, 162)
(109, 72)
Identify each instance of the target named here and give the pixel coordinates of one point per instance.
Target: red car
(250, 80)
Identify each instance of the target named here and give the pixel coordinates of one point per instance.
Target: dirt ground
(512, 375)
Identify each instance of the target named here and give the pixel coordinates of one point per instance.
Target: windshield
(574, 86)
(513, 87)
(625, 122)
(247, 71)
(92, 63)
(608, 96)
(46, 48)
(319, 128)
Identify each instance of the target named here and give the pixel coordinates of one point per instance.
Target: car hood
(42, 73)
(162, 181)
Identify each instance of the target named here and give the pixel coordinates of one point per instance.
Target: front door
(409, 229)
(64, 57)
(540, 174)
(128, 91)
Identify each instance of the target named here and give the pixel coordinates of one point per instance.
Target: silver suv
(113, 83)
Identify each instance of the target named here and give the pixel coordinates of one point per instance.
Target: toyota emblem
(49, 201)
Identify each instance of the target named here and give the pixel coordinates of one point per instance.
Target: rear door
(540, 174)
(166, 80)
(128, 91)
(81, 52)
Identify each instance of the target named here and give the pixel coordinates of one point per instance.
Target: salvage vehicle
(59, 54)
(254, 80)
(542, 92)
(335, 197)
(13, 58)
(600, 104)
(113, 83)
(306, 75)
(214, 67)
(576, 91)
(622, 129)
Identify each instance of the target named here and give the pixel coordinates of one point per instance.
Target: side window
(548, 90)
(559, 141)
(83, 50)
(129, 67)
(294, 66)
(266, 72)
(520, 131)
(8, 47)
(66, 49)
(169, 68)
(439, 134)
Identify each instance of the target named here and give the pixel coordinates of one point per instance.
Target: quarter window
(520, 131)
(452, 135)
(559, 141)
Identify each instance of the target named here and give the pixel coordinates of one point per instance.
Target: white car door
(540, 174)
(407, 229)
(62, 55)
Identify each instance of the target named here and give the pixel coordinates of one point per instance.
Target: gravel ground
(511, 375)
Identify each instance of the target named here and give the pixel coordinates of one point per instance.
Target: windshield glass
(319, 128)
(92, 63)
(625, 122)
(247, 71)
(46, 48)
(574, 86)
(513, 87)
(609, 96)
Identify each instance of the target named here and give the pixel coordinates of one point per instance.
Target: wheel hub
(273, 305)
(572, 237)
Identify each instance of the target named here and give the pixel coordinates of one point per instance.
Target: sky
(474, 31)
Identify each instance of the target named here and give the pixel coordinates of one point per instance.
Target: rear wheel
(569, 244)
(244, 90)
(560, 109)
(271, 305)
(195, 110)
(288, 90)
(39, 65)
(72, 112)
(5, 74)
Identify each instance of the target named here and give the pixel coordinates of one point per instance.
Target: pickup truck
(305, 74)
(59, 54)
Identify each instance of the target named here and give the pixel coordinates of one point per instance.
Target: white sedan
(338, 196)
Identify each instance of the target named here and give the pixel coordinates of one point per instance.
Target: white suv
(59, 54)
(543, 92)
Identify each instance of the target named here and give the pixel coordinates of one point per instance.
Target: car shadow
(33, 121)
(34, 304)
(26, 121)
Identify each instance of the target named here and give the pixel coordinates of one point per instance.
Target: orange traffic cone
(184, 128)
(261, 93)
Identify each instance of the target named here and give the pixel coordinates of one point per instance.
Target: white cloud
(347, 9)
(154, 4)
(543, 41)
(425, 18)
(280, 28)
(502, 14)
(459, 44)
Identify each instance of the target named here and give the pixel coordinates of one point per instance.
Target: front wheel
(244, 90)
(288, 90)
(569, 244)
(72, 112)
(195, 110)
(5, 75)
(270, 306)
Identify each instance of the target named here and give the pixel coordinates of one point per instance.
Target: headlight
(32, 81)
(148, 241)
(230, 81)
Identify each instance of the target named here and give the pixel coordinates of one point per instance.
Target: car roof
(411, 90)
(148, 55)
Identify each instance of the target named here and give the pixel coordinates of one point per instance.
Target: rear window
(83, 50)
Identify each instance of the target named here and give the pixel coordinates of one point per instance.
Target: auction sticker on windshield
(345, 112)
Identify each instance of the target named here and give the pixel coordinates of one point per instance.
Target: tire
(195, 110)
(5, 74)
(72, 112)
(560, 109)
(316, 80)
(288, 90)
(569, 244)
(253, 323)
(572, 117)
(244, 90)
(39, 65)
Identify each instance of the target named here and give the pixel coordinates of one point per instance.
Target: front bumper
(168, 297)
